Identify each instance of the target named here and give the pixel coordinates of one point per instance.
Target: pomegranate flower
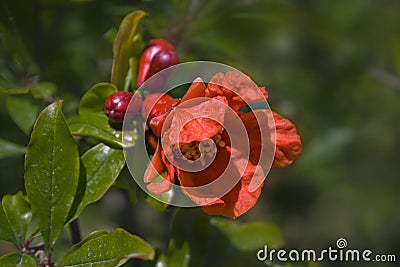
(197, 148)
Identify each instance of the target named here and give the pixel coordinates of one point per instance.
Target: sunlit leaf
(17, 260)
(9, 149)
(249, 236)
(97, 125)
(19, 215)
(111, 249)
(102, 165)
(125, 47)
(51, 172)
(94, 99)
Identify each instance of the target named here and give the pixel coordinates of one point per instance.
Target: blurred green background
(331, 67)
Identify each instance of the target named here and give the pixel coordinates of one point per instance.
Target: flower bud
(158, 55)
(117, 104)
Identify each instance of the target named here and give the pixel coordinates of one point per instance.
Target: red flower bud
(158, 55)
(116, 105)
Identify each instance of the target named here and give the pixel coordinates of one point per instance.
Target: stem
(75, 231)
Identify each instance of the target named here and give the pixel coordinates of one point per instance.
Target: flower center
(193, 151)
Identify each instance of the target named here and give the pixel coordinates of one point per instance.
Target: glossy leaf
(23, 110)
(6, 233)
(9, 149)
(17, 260)
(18, 213)
(249, 236)
(124, 47)
(103, 165)
(111, 249)
(97, 125)
(91, 236)
(51, 172)
(94, 99)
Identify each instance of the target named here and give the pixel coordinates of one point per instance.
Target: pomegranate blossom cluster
(199, 146)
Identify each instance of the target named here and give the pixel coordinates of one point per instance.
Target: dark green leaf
(97, 125)
(18, 213)
(191, 226)
(9, 149)
(111, 249)
(103, 165)
(23, 110)
(249, 236)
(6, 233)
(94, 99)
(17, 260)
(176, 257)
(51, 172)
(43, 89)
(125, 47)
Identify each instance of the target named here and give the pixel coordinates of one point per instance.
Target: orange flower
(201, 145)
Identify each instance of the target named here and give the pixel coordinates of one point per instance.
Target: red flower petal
(196, 89)
(288, 143)
(238, 88)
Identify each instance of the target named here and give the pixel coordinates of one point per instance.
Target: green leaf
(6, 233)
(19, 215)
(91, 236)
(94, 99)
(249, 236)
(97, 125)
(17, 260)
(23, 110)
(191, 226)
(111, 249)
(103, 165)
(9, 149)
(43, 89)
(177, 257)
(20, 91)
(124, 47)
(51, 172)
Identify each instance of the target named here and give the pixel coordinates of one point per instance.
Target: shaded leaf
(17, 260)
(191, 226)
(9, 149)
(6, 233)
(97, 125)
(23, 110)
(111, 249)
(103, 165)
(94, 99)
(249, 236)
(21, 91)
(125, 47)
(43, 89)
(18, 213)
(51, 172)
(176, 257)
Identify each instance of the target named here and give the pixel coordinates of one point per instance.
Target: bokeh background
(331, 67)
